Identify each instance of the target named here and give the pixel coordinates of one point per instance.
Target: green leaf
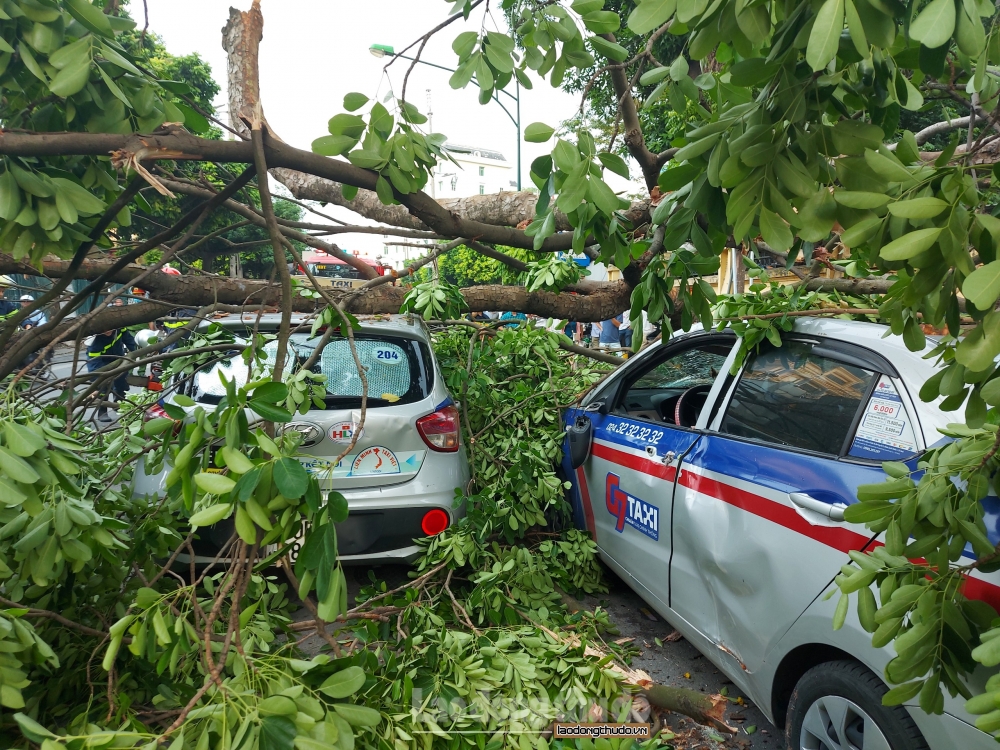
(538, 132)
(236, 461)
(71, 79)
(607, 49)
(910, 244)
(982, 287)
(272, 393)
(860, 199)
(358, 716)
(602, 21)
(276, 733)
(90, 16)
(990, 392)
(211, 515)
(339, 509)
(898, 695)
(113, 56)
(32, 729)
(291, 478)
(857, 29)
(214, 484)
(21, 440)
(935, 24)
(654, 76)
(10, 196)
(840, 613)
(333, 145)
(775, 231)
(270, 412)
(918, 208)
(344, 683)
(30, 62)
(650, 15)
(83, 200)
(614, 163)
(343, 124)
(17, 468)
(679, 68)
(825, 35)
(384, 191)
(354, 101)
(193, 120)
(365, 159)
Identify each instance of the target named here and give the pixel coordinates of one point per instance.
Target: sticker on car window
(885, 431)
(387, 355)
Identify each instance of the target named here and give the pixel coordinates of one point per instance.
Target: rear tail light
(440, 429)
(435, 521)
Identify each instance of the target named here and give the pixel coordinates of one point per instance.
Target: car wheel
(838, 706)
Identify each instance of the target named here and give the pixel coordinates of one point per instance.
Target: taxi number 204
(644, 434)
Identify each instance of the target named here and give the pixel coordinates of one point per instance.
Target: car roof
(408, 326)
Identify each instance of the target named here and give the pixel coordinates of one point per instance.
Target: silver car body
(391, 477)
(731, 539)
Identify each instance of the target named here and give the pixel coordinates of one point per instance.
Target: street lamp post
(385, 50)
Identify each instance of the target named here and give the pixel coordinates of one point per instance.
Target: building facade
(479, 171)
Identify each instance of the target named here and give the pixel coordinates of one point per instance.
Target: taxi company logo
(630, 510)
(343, 432)
(375, 460)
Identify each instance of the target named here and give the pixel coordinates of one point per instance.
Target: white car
(401, 475)
(720, 499)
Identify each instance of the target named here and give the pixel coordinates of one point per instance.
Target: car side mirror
(579, 435)
(601, 406)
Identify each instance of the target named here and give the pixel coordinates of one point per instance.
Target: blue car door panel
(624, 491)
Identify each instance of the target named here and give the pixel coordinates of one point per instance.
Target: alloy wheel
(835, 723)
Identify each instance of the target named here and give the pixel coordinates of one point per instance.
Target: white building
(480, 171)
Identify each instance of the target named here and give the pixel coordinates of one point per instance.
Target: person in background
(37, 318)
(625, 331)
(515, 318)
(595, 335)
(572, 331)
(7, 307)
(609, 332)
(104, 350)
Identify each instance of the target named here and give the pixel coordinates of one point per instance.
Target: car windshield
(398, 370)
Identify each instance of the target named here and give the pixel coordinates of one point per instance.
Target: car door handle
(833, 511)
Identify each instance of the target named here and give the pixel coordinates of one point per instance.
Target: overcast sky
(315, 51)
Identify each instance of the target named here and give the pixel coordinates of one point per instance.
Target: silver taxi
(719, 499)
(408, 460)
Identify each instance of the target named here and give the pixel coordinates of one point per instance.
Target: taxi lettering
(628, 509)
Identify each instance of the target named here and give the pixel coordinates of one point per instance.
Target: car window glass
(789, 396)
(655, 393)
(393, 368)
(885, 432)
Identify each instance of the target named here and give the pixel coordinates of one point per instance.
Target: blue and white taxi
(720, 499)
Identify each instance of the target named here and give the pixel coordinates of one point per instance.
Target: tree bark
(191, 290)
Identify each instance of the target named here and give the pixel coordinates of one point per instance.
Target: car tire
(838, 705)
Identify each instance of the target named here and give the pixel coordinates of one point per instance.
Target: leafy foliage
(513, 391)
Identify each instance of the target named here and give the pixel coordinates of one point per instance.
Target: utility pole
(430, 128)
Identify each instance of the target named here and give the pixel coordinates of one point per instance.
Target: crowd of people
(616, 334)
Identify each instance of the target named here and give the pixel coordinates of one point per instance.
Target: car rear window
(398, 370)
(793, 397)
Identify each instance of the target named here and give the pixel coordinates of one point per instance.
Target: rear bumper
(383, 521)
